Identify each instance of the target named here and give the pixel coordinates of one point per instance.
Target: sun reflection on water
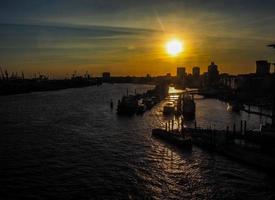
(173, 90)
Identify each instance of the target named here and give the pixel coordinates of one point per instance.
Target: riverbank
(31, 85)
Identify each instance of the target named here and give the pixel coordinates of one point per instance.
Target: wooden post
(181, 124)
(172, 124)
(241, 127)
(245, 127)
(111, 104)
(273, 111)
(166, 126)
(178, 119)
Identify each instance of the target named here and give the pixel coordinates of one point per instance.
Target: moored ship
(169, 108)
(187, 106)
(127, 105)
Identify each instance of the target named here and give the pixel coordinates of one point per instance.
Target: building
(196, 71)
(106, 76)
(181, 73)
(229, 81)
(213, 74)
(262, 67)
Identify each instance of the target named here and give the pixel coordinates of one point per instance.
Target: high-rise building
(213, 74)
(196, 71)
(181, 72)
(263, 67)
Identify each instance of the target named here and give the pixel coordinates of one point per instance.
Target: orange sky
(129, 37)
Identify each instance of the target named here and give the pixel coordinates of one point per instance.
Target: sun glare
(174, 47)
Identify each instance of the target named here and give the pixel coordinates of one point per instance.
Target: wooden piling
(111, 104)
(273, 112)
(182, 125)
(172, 124)
(178, 119)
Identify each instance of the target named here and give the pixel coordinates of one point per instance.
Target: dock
(175, 138)
(254, 148)
(140, 103)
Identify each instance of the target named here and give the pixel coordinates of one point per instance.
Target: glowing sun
(174, 47)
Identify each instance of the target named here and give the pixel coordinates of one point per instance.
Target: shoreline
(15, 87)
(28, 86)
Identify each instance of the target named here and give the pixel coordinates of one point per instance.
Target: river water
(69, 144)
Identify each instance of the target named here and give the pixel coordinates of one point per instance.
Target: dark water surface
(69, 144)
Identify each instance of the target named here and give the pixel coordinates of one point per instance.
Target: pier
(173, 137)
(259, 112)
(140, 103)
(255, 148)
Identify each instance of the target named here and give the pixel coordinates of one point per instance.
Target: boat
(127, 105)
(174, 138)
(141, 107)
(188, 106)
(150, 102)
(169, 108)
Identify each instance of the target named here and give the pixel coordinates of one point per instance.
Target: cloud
(32, 43)
(32, 35)
(106, 31)
(107, 10)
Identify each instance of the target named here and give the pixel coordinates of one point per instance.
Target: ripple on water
(67, 144)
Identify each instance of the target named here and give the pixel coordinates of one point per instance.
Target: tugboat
(141, 107)
(148, 102)
(187, 106)
(127, 106)
(169, 108)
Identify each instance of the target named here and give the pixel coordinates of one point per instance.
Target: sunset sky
(128, 37)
